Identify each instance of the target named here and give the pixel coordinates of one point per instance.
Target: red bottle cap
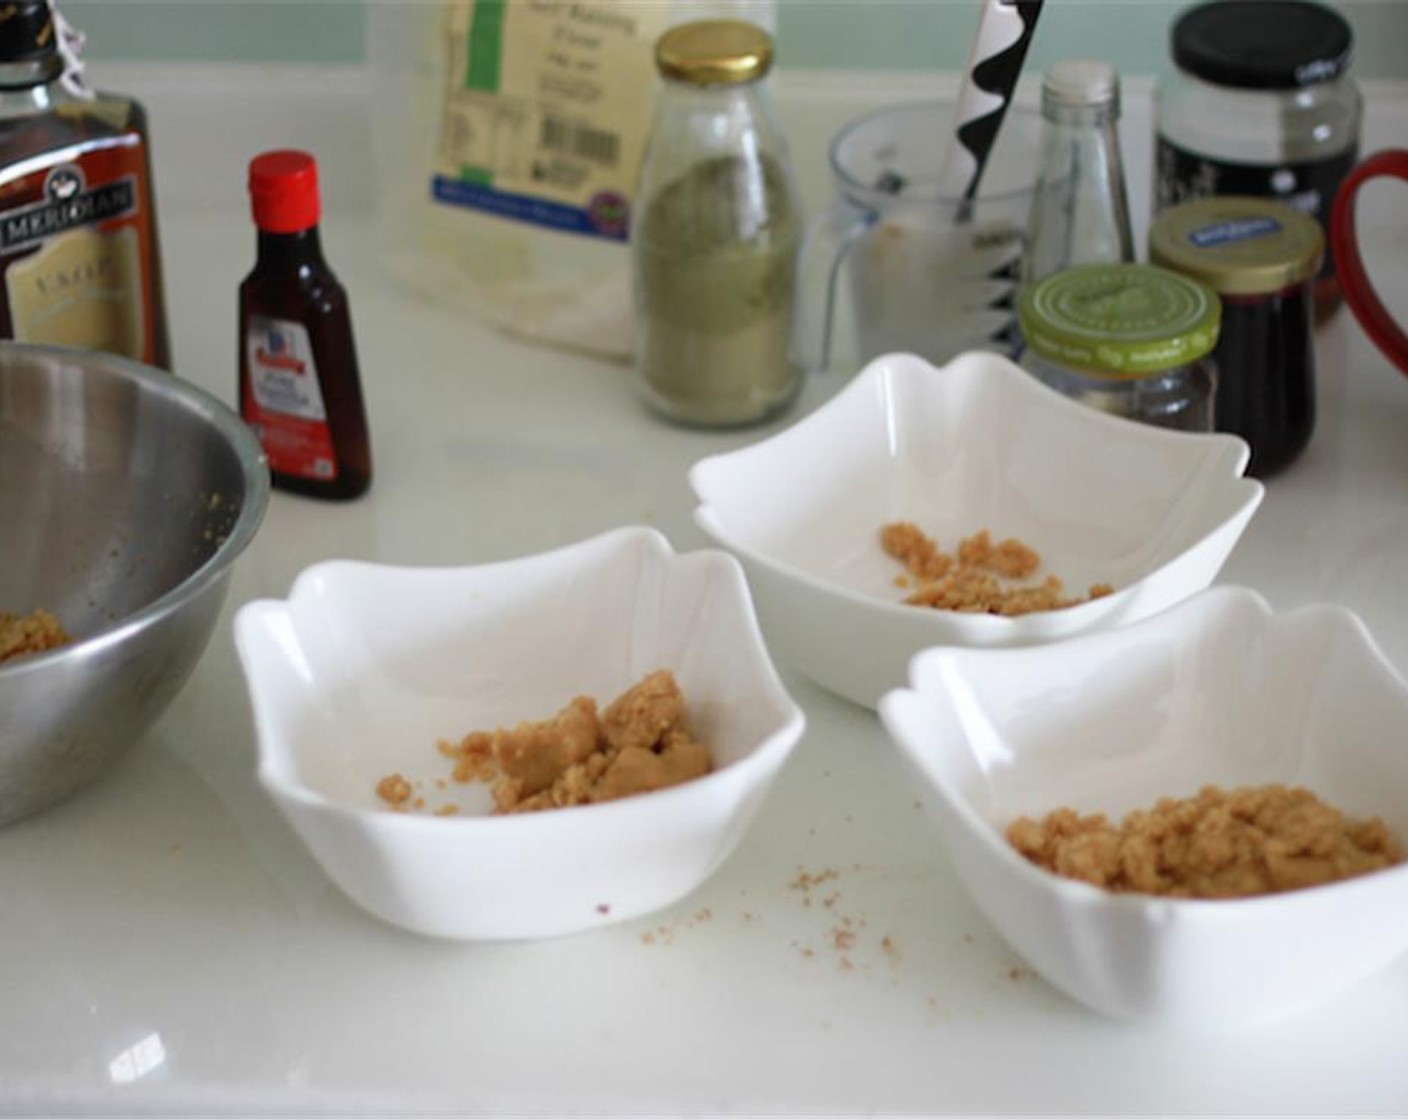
(283, 191)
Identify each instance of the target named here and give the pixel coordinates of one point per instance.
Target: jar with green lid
(716, 235)
(1261, 257)
(1129, 339)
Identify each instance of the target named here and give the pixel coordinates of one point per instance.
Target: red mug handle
(1378, 324)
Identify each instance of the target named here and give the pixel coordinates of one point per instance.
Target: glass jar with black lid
(1260, 256)
(1261, 104)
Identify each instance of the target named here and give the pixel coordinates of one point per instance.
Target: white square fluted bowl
(365, 667)
(1216, 690)
(978, 443)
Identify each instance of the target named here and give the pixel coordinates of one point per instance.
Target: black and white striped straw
(994, 64)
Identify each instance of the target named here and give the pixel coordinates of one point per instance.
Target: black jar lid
(26, 31)
(1262, 44)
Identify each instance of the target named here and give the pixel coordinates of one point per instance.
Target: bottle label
(76, 250)
(284, 400)
(545, 114)
(1308, 186)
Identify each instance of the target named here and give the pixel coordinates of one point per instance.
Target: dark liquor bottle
(80, 259)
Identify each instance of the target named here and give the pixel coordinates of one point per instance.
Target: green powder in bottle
(716, 254)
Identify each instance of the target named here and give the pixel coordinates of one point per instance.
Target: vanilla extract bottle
(80, 258)
(300, 388)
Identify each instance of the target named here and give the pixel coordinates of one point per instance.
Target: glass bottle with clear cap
(715, 236)
(1080, 214)
(1129, 339)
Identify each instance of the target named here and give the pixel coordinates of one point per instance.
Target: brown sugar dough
(533, 756)
(971, 581)
(907, 543)
(1219, 844)
(640, 742)
(1011, 558)
(642, 769)
(394, 789)
(30, 633)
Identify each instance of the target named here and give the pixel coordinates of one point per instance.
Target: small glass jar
(1128, 339)
(716, 235)
(1261, 104)
(1260, 256)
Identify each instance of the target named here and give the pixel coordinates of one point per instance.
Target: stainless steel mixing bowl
(126, 494)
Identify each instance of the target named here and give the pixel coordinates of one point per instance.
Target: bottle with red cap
(299, 385)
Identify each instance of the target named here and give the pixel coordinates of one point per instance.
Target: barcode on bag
(580, 140)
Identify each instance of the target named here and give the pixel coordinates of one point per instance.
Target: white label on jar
(1229, 232)
(282, 373)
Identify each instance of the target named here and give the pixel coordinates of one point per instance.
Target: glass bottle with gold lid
(715, 236)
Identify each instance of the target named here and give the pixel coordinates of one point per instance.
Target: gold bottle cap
(1238, 245)
(714, 52)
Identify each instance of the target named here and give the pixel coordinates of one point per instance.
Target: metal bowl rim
(254, 501)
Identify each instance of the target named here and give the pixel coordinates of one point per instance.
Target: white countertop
(166, 944)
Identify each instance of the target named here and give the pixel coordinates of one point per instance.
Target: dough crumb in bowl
(1238, 843)
(639, 743)
(35, 632)
(972, 580)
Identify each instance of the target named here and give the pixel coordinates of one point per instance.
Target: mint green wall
(1132, 34)
(219, 30)
(887, 34)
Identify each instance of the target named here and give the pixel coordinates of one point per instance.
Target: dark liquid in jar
(1328, 298)
(1266, 384)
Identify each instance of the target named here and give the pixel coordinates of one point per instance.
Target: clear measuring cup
(893, 265)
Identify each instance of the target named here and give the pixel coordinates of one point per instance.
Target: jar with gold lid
(1261, 257)
(716, 235)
